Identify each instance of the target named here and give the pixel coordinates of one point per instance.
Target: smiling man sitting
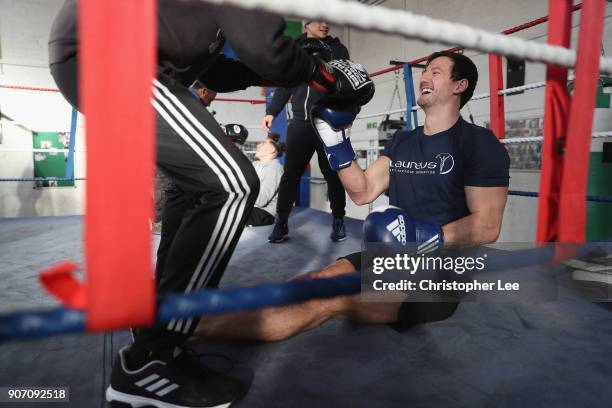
(449, 179)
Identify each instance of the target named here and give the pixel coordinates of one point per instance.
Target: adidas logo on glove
(398, 228)
(394, 225)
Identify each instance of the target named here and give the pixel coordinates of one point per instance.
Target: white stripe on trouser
(176, 324)
(229, 207)
(306, 103)
(238, 199)
(233, 209)
(214, 236)
(207, 142)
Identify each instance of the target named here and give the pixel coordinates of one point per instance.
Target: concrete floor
(553, 353)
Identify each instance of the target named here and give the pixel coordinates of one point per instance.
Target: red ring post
(117, 65)
(572, 207)
(496, 101)
(556, 108)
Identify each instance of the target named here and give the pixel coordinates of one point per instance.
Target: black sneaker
(279, 233)
(180, 382)
(338, 233)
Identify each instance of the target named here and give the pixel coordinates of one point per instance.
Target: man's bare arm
(363, 187)
(482, 226)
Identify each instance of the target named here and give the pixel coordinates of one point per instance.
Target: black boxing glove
(237, 133)
(344, 84)
(317, 48)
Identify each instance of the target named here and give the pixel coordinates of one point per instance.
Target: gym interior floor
(553, 353)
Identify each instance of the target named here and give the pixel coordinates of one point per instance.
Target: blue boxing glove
(391, 224)
(330, 126)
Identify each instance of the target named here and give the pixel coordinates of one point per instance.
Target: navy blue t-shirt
(427, 174)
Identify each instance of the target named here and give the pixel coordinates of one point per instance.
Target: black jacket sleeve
(279, 100)
(258, 41)
(340, 51)
(228, 75)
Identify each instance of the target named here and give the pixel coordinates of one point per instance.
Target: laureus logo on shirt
(443, 164)
(446, 162)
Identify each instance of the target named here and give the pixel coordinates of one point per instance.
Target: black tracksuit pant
(215, 188)
(302, 142)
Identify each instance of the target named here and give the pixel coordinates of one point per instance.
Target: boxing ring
(558, 346)
(100, 291)
(445, 362)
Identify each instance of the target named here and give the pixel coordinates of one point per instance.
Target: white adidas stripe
(181, 325)
(235, 214)
(434, 238)
(397, 232)
(166, 390)
(306, 103)
(176, 324)
(157, 384)
(193, 121)
(233, 209)
(429, 247)
(147, 380)
(393, 225)
(225, 248)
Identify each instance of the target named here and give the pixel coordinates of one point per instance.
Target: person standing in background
(301, 139)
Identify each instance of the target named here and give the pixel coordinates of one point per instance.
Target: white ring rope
(516, 140)
(512, 140)
(479, 97)
(391, 112)
(410, 25)
(530, 139)
(526, 87)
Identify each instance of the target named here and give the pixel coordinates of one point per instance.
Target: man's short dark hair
(463, 68)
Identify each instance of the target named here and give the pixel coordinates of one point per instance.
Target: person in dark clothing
(301, 140)
(214, 186)
(162, 183)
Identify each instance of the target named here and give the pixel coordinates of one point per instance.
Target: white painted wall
(24, 31)
(24, 26)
